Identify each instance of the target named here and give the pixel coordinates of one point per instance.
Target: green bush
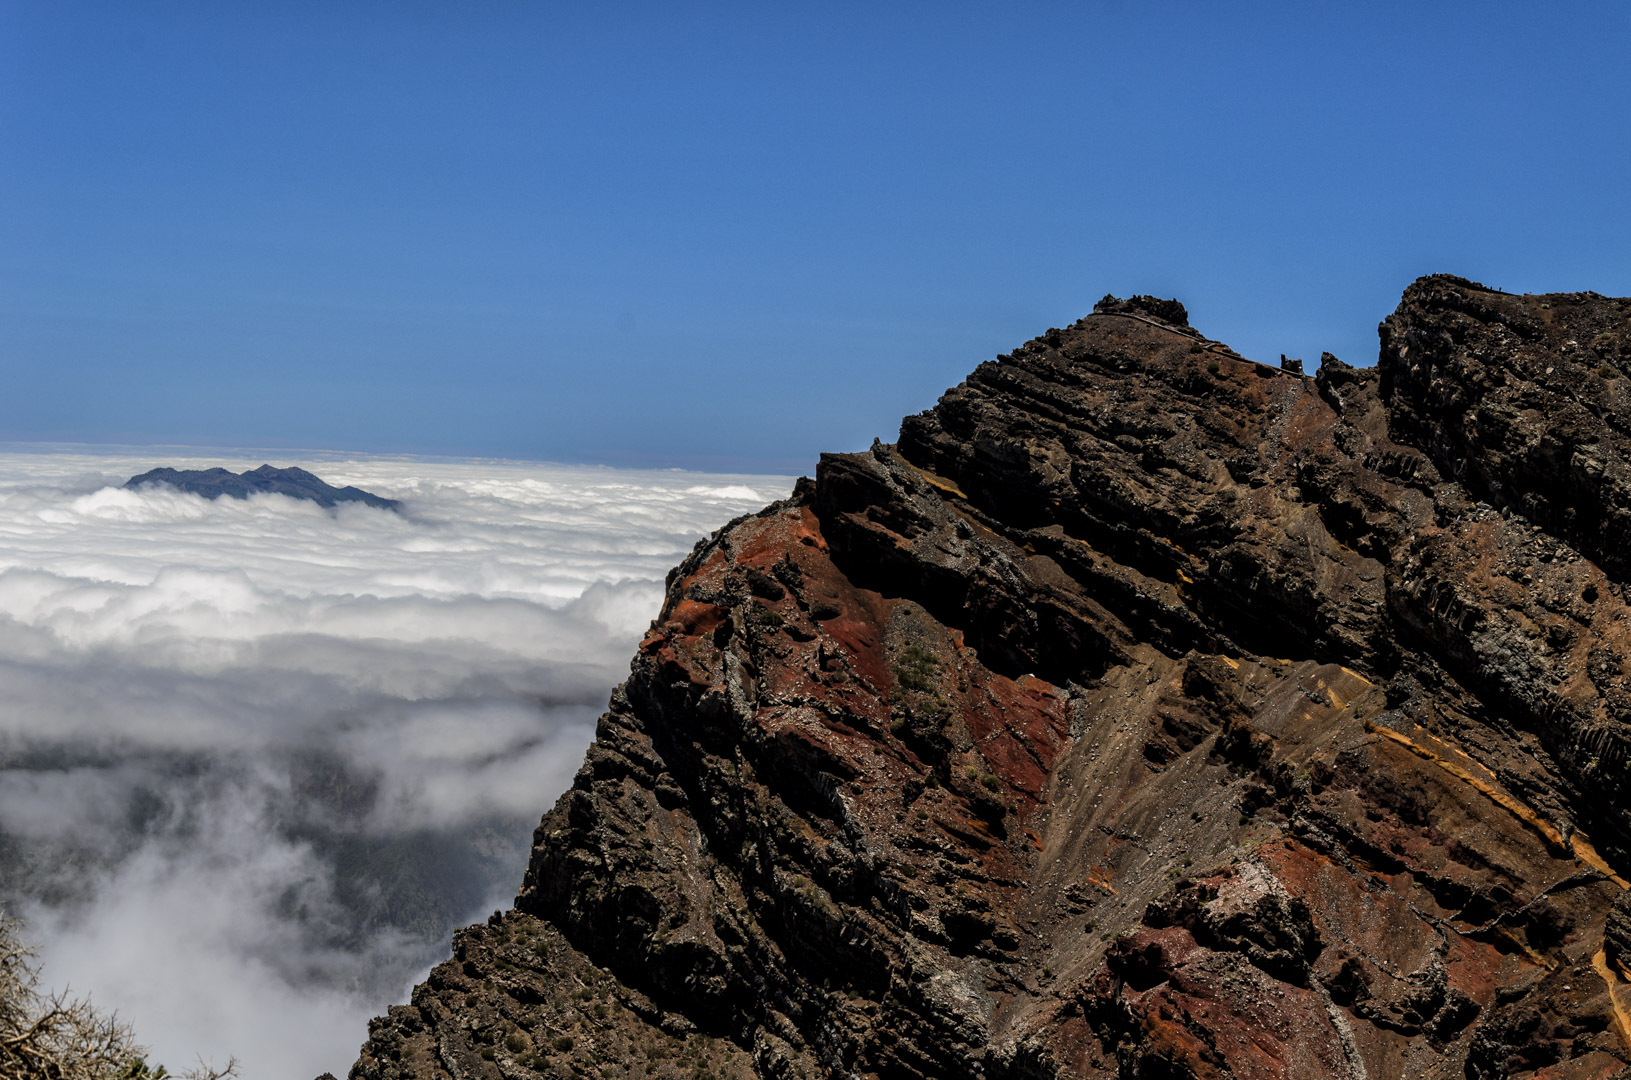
(917, 670)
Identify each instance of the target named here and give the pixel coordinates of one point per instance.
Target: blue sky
(735, 235)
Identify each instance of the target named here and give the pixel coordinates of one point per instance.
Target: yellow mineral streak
(1619, 992)
(1619, 995)
(939, 483)
(1577, 844)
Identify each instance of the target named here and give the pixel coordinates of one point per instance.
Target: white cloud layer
(257, 758)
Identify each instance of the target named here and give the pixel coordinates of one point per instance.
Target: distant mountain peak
(293, 482)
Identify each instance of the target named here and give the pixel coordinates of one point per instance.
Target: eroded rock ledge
(1143, 712)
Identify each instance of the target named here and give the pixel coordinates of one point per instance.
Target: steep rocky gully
(1143, 712)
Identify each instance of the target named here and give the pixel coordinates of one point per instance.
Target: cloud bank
(257, 758)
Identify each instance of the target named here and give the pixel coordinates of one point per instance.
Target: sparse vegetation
(813, 894)
(918, 675)
(917, 670)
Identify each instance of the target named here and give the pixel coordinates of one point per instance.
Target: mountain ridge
(1142, 712)
(294, 482)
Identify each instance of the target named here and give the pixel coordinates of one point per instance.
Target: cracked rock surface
(1142, 712)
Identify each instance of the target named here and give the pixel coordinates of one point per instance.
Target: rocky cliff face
(1144, 712)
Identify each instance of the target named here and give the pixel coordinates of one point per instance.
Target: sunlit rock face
(1142, 712)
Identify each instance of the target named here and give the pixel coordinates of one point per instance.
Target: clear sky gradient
(732, 236)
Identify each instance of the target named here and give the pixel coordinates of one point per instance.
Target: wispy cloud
(257, 758)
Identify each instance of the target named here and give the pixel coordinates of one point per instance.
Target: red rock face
(1143, 712)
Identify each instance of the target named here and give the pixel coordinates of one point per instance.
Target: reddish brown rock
(1144, 712)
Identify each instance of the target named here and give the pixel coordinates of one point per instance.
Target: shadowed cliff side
(1144, 712)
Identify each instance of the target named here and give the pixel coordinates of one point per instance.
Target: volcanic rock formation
(1143, 712)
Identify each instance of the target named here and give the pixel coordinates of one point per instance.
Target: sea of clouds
(258, 758)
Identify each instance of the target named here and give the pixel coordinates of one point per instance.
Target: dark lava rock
(1168, 311)
(1143, 712)
(295, 483)
(1617, 932)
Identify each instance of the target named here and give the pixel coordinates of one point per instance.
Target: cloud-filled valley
(258, 757)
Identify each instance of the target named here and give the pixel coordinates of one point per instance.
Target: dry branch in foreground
(54, 1036)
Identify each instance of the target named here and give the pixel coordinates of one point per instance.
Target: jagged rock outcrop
(1143, 712)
